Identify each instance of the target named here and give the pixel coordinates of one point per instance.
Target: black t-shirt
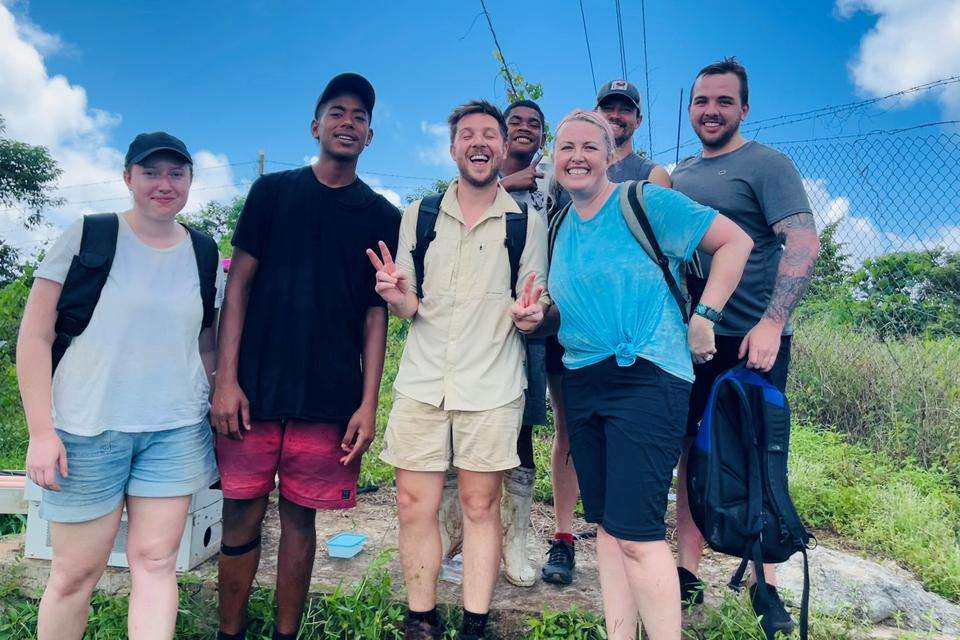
(300, 353)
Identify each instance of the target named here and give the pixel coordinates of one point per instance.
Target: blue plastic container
(345, 544)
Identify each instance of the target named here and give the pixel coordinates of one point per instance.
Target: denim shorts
(104, 468)
(626, 425)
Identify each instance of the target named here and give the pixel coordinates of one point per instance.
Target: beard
(464, 168)
(721, 140)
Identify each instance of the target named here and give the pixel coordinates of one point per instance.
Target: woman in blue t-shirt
(628, 355)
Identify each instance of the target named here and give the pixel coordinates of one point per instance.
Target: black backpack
(687, 291)
(515, 241)
(737, 479)
(89, 270)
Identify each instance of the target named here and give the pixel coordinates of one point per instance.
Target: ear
(315, 130)
(453, 155)
(369, 138)
(744, 110)
(127, 177)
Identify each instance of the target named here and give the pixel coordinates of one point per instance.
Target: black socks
(430, 617)
(473, 624)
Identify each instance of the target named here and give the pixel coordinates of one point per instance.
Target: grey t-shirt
(756, 187)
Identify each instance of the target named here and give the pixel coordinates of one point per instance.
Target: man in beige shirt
(459, 391)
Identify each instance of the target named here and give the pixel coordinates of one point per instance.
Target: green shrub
(571, 624)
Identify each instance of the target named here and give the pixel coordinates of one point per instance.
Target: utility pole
(679, 120)
(261, 160)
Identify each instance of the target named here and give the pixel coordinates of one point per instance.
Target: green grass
(887, 506)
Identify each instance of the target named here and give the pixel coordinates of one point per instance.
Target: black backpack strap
(426, 232)
(207, 254)
(554, 228)
(85, 279)
(515, 242)
(662, 261)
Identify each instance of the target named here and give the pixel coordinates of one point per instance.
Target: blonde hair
(597, 120)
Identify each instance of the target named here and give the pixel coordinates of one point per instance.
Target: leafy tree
(519, 88)
(439, 186)
(218, 220)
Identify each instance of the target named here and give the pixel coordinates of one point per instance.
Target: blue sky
(233, 78)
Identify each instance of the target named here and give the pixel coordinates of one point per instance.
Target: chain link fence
(888, 207)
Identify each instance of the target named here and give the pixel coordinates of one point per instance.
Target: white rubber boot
(515, 516)
(450, 517)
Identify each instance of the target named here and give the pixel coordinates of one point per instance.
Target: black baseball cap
(146, 143)
(353, 83)
(620, 88)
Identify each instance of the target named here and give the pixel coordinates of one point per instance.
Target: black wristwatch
(709, 313)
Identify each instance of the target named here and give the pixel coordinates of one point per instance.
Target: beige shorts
(422, 437)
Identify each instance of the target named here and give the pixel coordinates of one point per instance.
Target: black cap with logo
(620, 88)
(352, 83)
(147, 143)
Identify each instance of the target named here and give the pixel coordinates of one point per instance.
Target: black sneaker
(691, 588)
(560, 563)
(773, 616)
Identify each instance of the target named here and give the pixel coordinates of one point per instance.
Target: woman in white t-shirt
(123, 418)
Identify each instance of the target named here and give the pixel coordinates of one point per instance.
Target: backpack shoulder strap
(635, 216)
(426, 232)
(85, 279)
(207, 254)
(554, 228)
(515, 242)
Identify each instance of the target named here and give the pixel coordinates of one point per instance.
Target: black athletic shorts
(626, 425)
(728, 348)
(535, 405)
(554, 356)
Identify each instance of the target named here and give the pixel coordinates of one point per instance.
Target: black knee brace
(239, 550)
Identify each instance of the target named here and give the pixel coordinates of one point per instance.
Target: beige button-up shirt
(463, 351)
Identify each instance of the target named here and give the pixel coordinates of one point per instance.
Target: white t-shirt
(137, 365)
(538, 200)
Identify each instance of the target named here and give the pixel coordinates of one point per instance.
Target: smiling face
(524, 132)
(342, 127)
(716, 109)
(478, 148)
(160, 185)
(581, 157)
(622, 115)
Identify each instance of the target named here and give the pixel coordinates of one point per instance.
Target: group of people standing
(523, 276)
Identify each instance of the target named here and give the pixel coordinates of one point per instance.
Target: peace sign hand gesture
(392, 284)
(527, 311)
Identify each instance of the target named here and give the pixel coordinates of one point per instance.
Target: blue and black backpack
(737, 479)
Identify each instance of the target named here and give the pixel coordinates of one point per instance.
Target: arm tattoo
(801, 245)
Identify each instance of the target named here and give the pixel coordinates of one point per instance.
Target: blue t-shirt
(612, 297)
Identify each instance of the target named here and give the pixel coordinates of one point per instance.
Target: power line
(583, 19)
(875, 132)
(646, 73)
(503, 58)
(623, 56)
(116, 180)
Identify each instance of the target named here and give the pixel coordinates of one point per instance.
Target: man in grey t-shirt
(760, 189)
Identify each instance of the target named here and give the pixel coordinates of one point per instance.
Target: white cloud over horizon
(914, 42)
(437, 149)
(50, 111)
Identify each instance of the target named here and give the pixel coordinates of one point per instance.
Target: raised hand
(392, 283)
(525, 179)
(527, 311)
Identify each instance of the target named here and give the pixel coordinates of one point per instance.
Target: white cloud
(40, 109)
(913, 42)
(437, 151)
(376, 184)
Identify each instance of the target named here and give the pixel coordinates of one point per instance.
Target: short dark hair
(727, 65)
(530, 104)
(476, 106)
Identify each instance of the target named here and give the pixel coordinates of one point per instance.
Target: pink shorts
(305, 455)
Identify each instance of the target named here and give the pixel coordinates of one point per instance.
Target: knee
(72, 578)
(640, 552)
(480, 508)
(297, 519)
(242, 519)
(152, 559)
(413, 508)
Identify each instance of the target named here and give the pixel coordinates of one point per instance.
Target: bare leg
(153, 539)
(480, 499)
(80, 552)
(563, 475)
(689, 540)
(298, 546)
(241, 525)
(418, 501)
(651, 572)
(619, 607)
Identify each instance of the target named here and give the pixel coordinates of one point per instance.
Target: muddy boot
(515, 516)
(451, 517)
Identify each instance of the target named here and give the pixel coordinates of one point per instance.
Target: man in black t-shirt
(301, 350)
